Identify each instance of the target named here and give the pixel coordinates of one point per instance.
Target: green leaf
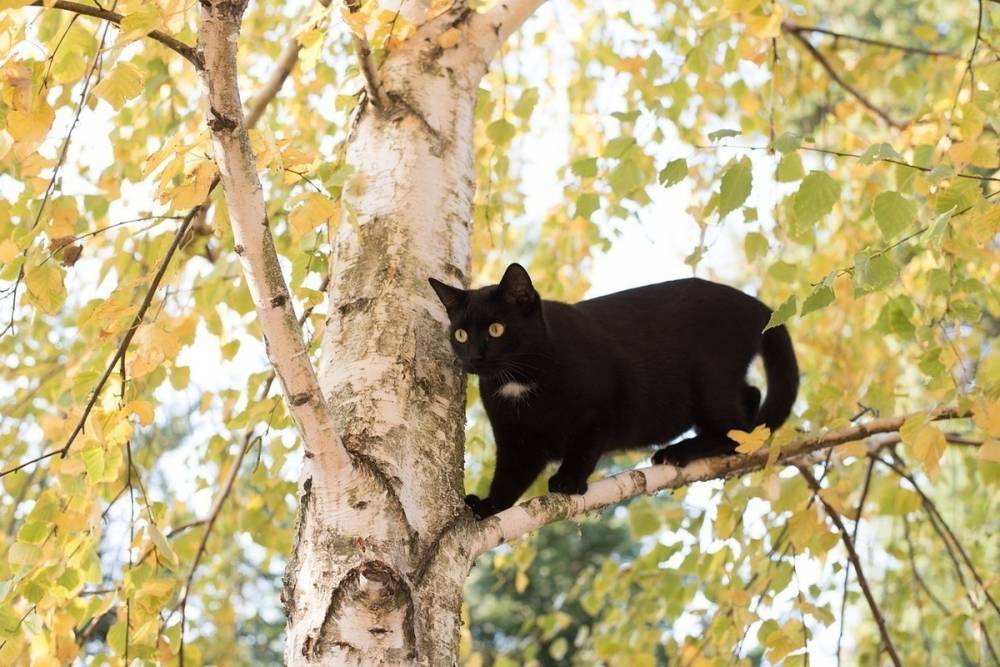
(93, 459)
(500, 132)
(723, 134)
(586, 168)
(642, 519)
(787, 143)
(821, 297)
(783, 271)
(23, 554)
(789, 169)
(526, 103)
(626, 116)
(9, 621)
(625, 177)
(754, 246)
(619, 146)
(959, 196)
(736, 185)
(33, 533)
(586, 204)
(872, 273)
(783, 312)
(877, 152)
(162, 545)
(675, 172)
(815, 197)
(893, 213)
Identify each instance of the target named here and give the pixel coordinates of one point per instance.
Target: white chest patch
(514, 390)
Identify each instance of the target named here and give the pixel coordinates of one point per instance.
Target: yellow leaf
(449, 38)
(355, 21)
(143, 410)
(8, 250)
(45, 287)
(748, 443)
(31, 127)
(986, 415)
(315, 210)
(140, 22)
(124, 83)
(926, 441)
(312, 46)
(990, 451)
(72, 466)
(520, 581)
(767, 27)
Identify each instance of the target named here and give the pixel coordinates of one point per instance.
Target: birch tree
(300, 190)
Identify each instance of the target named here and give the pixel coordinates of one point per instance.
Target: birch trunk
(369, 581)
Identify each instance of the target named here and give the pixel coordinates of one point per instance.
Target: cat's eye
(461, 335)
(496, 329)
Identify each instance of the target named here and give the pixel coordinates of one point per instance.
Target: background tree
(842, 165)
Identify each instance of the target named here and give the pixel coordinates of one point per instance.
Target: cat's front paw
(674, 456)
(482, 508)
(560, 483)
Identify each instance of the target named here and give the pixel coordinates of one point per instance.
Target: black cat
(568, 383)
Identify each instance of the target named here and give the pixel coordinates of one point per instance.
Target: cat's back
(696, 298)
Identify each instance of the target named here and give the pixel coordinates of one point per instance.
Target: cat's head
(495, 329)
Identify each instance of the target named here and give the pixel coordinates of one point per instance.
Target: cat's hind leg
(726, 410)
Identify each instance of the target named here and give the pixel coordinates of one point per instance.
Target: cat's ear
(453, 298)
(516, 289)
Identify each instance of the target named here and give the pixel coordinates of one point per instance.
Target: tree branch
(832, 72)
(186, 51)
(218, 35)
(363, 50)
(853, 556)
(495, 26)
(521, 519)
(790, 26)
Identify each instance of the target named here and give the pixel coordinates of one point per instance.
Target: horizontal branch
(521, 519)
(789, 26)
(185, 50)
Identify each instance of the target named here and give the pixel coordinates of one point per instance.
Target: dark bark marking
(299, 399)
(220, 123)
(279, 300)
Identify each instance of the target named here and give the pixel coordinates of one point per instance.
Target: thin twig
(832, 72)
(854, 540)
(853, 556)
(789, 26)
(856, 156)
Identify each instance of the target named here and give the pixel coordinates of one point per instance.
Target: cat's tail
(782, 377)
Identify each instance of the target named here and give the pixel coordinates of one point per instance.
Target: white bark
(377, 573)
(217, 44)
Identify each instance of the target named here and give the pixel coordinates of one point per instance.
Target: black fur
(630, 369)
